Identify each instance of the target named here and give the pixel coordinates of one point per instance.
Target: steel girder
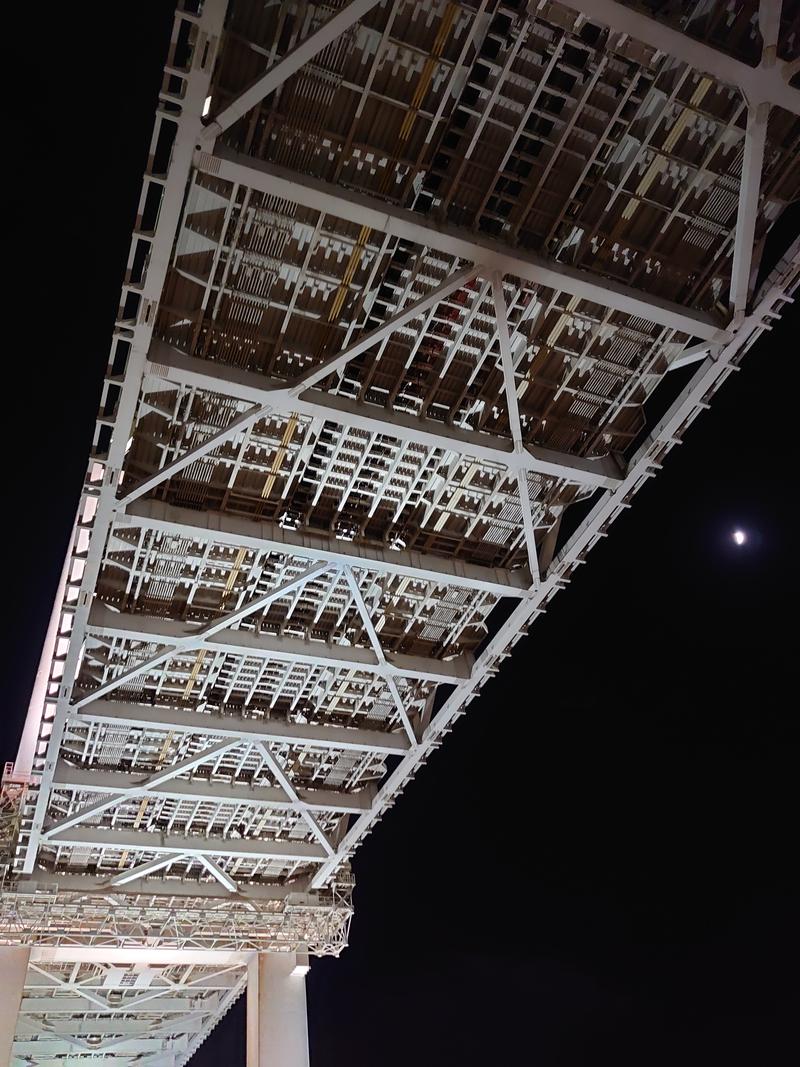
(487, 255)
(178, 367)
(767, 83)
(170, 760)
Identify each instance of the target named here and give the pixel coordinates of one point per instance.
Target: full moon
(739, 536)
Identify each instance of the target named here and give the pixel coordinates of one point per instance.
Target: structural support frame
(485, 253)
(279, 1026)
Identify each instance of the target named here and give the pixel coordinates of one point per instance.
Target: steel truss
(354, 384)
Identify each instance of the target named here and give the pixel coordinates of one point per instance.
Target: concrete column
(13, 968)
(277, 1028)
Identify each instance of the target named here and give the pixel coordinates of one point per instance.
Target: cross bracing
(74, 1010)
(403, 279)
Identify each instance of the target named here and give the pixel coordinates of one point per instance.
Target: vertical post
(277, 1027)
(13, 968)
(514, 421)
(747, 214)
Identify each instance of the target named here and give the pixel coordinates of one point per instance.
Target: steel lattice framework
(403, 279)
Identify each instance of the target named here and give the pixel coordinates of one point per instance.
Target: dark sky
(615, 882)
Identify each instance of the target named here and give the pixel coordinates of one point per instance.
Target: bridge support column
(277, 1028)
(13, 968)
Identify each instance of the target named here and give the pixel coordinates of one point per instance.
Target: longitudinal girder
(403, 278)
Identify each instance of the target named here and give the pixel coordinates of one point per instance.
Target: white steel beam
(749, 189)
(209, 980)
(126, 1060)
(179, 845)
(222, 528)
(77, 1059)
(278, 73)
(693, 354)
(401, 318)
(146, 886)
(292, 795)
(597, 473)
(188, 119)
(217, 872)
(512, 402)
(141, 870)
(179, 720)
(608, 506)
(48, 1005)
(189, 371)
(106, 623)
(769, 23)
(33, 720)
(150, 956)
(378, 650)
(527, 524)
(266, 403)
(762, 84)
(242, 422)
(83, 1027)
(506, 362)
(133, 1047)
(487, 254)
(151, 782)
(195, 639)
(200, 790)
(87, 994)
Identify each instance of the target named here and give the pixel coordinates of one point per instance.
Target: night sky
(615, 883)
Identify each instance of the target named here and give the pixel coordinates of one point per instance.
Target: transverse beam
(180, 720)
(181, 369)
(759, 84)
(105, 623)
(188, 845)
(222, 528)
(277, 74)
(488, 254)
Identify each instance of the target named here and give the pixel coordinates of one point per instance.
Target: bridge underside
(403, 280)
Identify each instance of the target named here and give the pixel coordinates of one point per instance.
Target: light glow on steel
(346, 434)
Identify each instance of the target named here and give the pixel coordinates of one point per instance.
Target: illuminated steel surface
(403, 278)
